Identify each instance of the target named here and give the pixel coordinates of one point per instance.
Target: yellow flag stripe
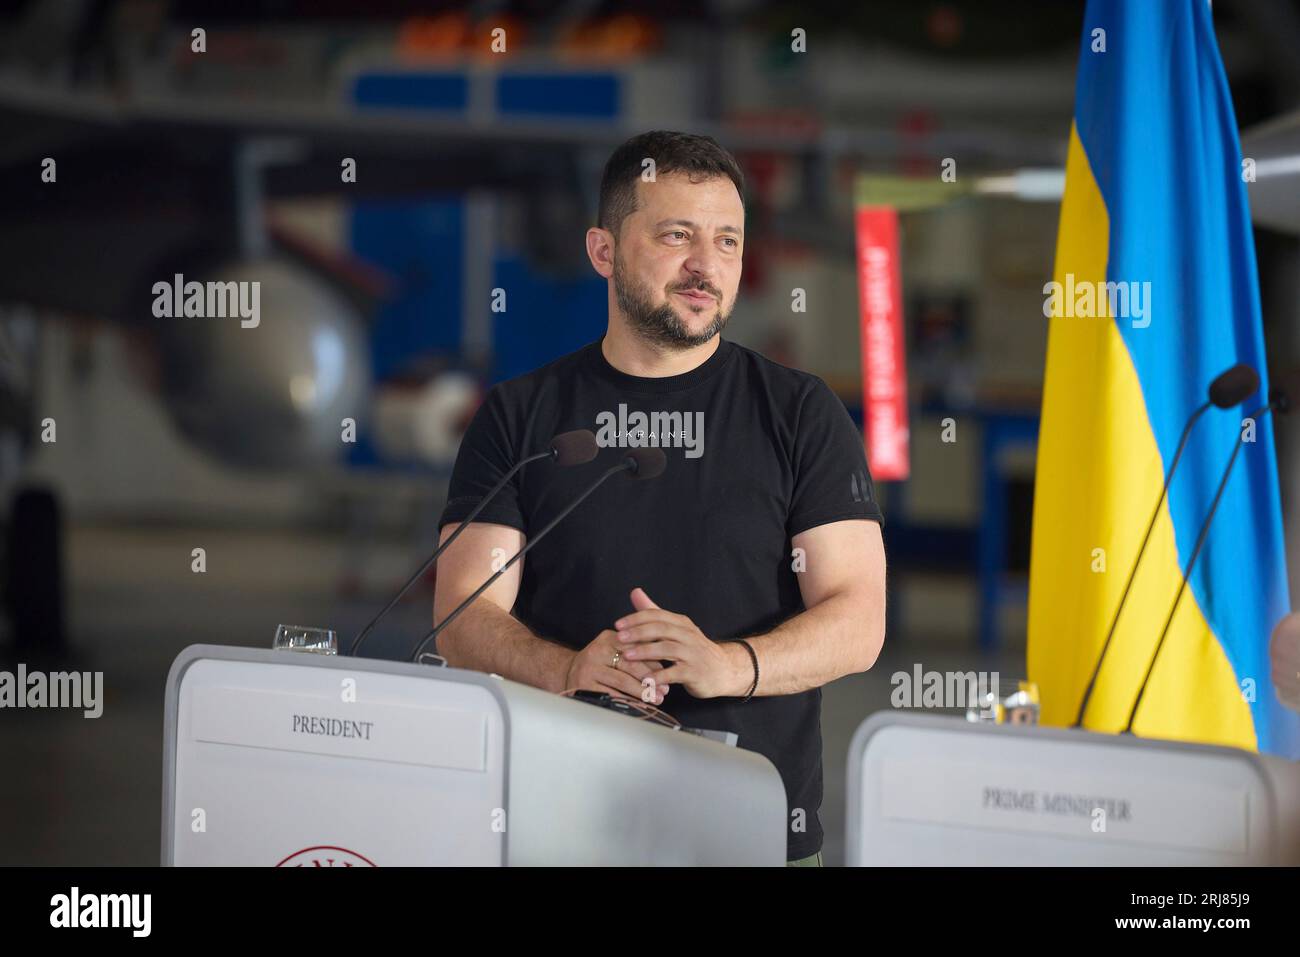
(1099, 473)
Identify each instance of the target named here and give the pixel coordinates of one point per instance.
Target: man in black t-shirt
(763, 527)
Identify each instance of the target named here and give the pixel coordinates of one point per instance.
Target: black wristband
(754, 658)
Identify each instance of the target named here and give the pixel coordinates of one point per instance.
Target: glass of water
(1009, 702)
(321, 641)
(1020, 702)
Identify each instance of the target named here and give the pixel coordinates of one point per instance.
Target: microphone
(642, 463)
(1234, 386)
(568, 448)
(1229, 388)
(1280, 400)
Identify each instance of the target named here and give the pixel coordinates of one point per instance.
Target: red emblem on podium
(325, 855)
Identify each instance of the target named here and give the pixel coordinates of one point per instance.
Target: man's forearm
(486, 638)
(837, 637)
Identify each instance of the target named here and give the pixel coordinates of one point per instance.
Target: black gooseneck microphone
(1280, 399)
(568, 448)
(642, 463)
(1229, 388)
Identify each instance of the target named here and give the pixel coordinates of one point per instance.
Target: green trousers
(813, 860)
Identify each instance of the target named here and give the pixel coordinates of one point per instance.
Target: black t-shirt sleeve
(486, 454)
(831, 479)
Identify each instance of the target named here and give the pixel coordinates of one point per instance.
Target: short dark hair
(689, 153)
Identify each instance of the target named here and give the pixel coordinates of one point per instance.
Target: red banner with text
(884, 370)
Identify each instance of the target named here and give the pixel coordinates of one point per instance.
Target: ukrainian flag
(1155, 194)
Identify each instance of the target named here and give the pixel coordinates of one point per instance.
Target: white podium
(292, 758)
(931, 790)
